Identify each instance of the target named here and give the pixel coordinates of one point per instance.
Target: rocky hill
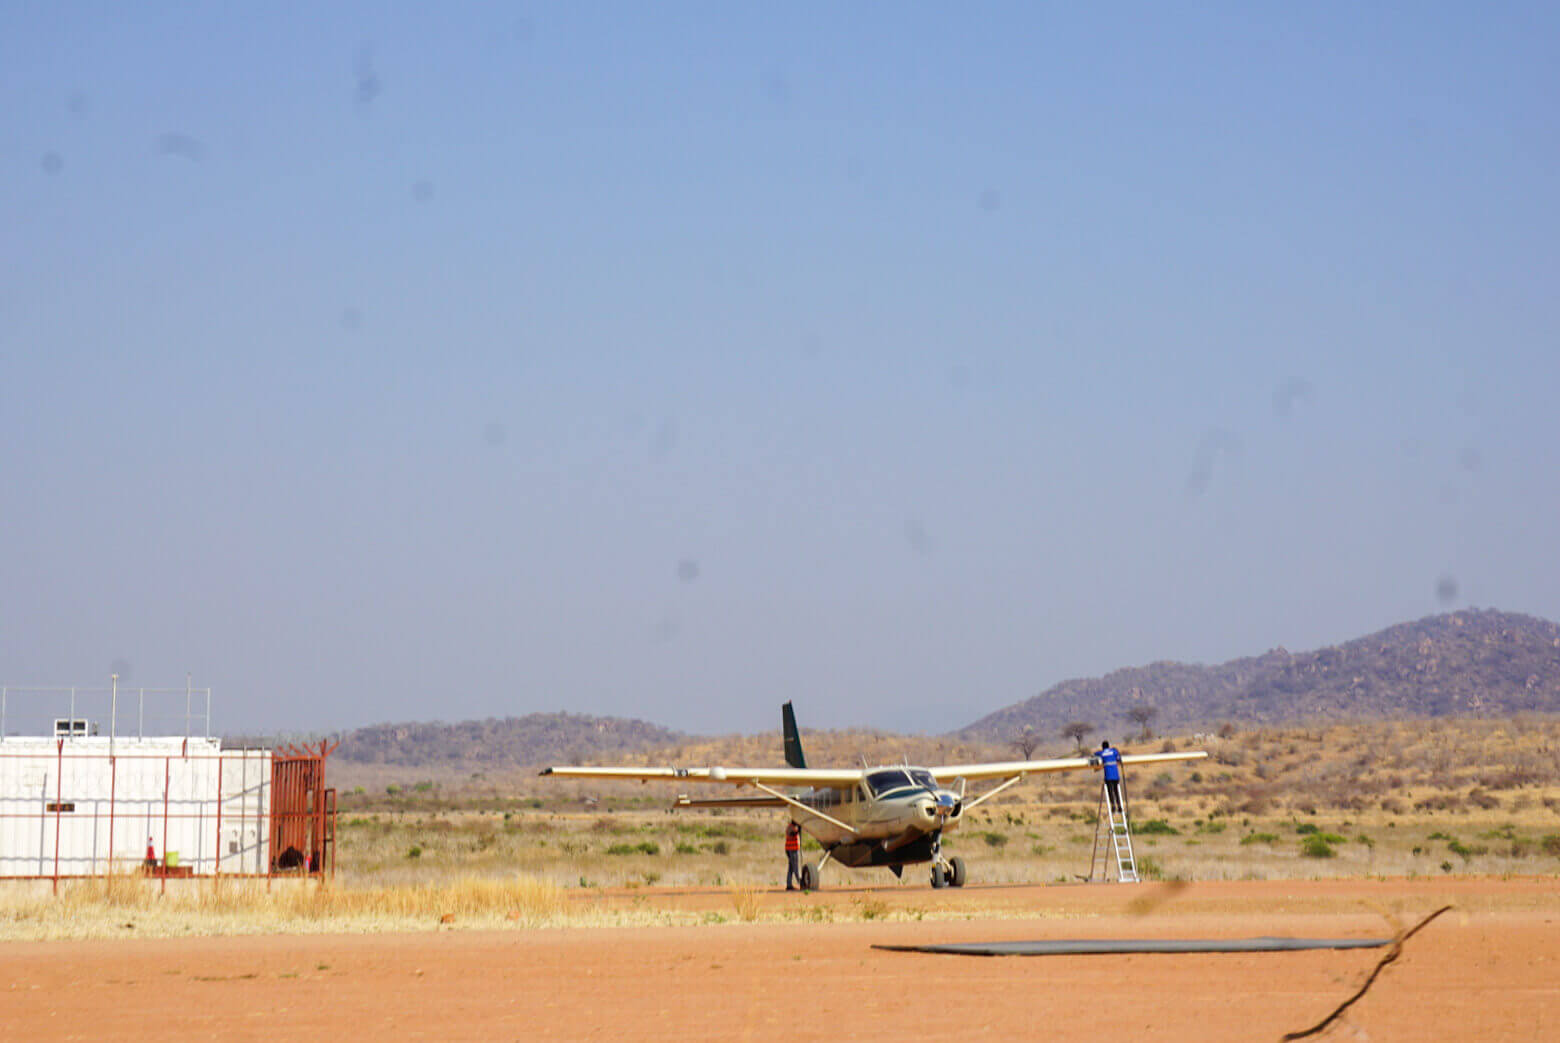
(538, 738)
(1460, 664)
(1473, 663)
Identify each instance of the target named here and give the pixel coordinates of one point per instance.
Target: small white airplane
(890, 816)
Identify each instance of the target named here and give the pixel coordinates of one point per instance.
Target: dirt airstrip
(1488, 970)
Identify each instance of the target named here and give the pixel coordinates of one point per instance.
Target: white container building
(84, 805)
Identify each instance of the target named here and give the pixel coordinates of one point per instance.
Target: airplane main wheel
(810, 877)
(939, 878)
(956, 872)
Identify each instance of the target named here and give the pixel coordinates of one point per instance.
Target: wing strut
(987, 796)
(798, 804)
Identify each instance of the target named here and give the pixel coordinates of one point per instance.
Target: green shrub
(414, 852)
(995, 839)
(1317, 847)
(1156, 827)
(1307, 827)
(1259, 838)
(644, 847)
(1551, 844)
(1467, 851)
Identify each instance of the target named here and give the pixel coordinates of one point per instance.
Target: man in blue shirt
(1109, 758)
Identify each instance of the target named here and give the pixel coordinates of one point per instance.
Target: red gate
(303, 811)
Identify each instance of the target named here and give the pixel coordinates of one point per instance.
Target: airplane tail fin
(793, 738)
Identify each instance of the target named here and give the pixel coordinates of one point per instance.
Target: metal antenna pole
(113, 716)
(186, 704)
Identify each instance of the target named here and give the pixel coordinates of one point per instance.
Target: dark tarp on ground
(1077, 946)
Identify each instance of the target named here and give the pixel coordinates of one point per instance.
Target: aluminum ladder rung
(1120, 835)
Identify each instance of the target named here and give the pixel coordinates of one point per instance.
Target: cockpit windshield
(887, 780)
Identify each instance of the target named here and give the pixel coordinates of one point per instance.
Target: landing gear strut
(946, 872)
(812, 872)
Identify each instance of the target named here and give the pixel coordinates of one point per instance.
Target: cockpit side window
(880, 782)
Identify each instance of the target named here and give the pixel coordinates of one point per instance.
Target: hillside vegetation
(537, 738)
(1483, 663)
(1441, 797)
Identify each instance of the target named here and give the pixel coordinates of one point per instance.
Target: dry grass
(745, 900)
(525, 900)
(121, 904)
(1408, 799)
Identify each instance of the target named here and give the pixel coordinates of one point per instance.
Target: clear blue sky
(402, 363)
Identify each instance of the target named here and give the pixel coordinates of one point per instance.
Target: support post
(167, 780)
(217, 869)
(59, 790)
(113, 808)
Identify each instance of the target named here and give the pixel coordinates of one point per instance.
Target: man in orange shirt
(793, 856)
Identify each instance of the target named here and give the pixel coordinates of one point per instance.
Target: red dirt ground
(1488, 970)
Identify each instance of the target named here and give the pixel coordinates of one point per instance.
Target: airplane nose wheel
(810, 877)
(946, 872)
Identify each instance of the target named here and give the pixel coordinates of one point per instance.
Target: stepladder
(1113, 839)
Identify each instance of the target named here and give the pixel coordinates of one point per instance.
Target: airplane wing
(683, 801)
(1006, 769)
(832, 778)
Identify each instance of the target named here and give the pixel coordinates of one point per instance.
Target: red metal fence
(303, 811)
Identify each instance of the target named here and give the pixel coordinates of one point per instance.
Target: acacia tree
(1076, 730)
(1026, 741)
(1141, 715)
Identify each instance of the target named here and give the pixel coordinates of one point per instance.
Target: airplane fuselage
(884, 818)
